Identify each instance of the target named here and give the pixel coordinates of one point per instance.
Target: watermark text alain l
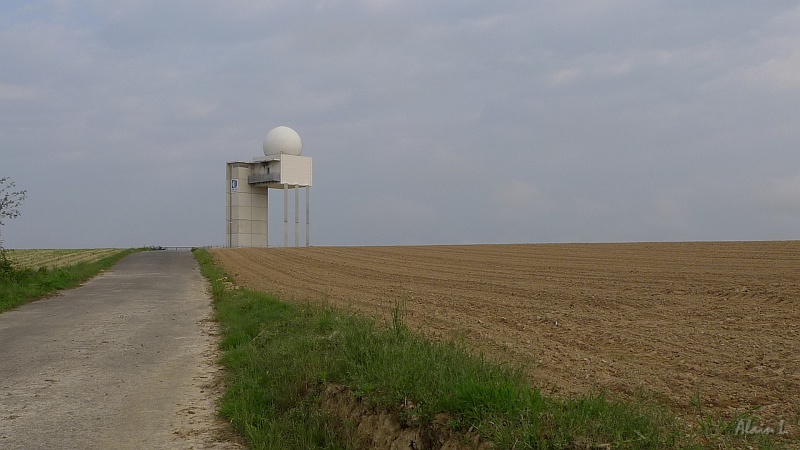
(746, 428)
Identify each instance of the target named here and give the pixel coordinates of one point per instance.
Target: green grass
(279, 356)
(20, 286)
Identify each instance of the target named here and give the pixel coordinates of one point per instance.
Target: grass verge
(280, 356)
(19, 286)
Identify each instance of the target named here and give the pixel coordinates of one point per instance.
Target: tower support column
(308, 221)
(296, 215)
(266, 221)
(285, 215)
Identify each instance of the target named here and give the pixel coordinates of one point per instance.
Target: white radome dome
(284, 140)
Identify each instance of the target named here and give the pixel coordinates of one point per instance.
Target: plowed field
(716, 324)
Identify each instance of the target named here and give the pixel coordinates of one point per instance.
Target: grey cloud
(429, 122)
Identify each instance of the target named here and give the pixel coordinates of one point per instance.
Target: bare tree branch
(10, 200)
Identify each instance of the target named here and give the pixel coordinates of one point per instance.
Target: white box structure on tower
(248, 185)
(274, 171)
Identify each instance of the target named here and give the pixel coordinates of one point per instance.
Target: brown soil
(368, 429)
(719, 322)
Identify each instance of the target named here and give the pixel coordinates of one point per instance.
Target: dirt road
(715, 325)
(125, 361)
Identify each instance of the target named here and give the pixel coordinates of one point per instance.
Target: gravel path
(125, 361)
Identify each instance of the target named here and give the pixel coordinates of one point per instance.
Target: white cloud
(519, 199)
(563, 77)
(781, 72)
(771, 59)
(607, 65)
(18, 92)
(199, 109)
(384, 6)
(391, 219)
(782, 195)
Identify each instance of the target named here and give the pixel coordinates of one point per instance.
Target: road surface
(125, 361)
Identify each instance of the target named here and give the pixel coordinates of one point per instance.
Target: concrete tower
(248, 185)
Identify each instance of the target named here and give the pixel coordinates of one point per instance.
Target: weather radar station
(248, 187)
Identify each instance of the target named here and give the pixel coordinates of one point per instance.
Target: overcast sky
(429, 122)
